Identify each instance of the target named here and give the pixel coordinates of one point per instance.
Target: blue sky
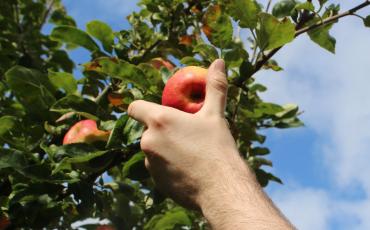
(324, 165)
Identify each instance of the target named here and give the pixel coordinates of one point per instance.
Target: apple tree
(46, 182)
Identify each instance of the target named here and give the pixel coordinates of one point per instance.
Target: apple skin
(158, 63)
(85, 131)
(186, 89)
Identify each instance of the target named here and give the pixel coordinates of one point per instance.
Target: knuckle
(219, 82)
(147, 143)
(160, 119)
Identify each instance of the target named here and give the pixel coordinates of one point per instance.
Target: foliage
(46, 184)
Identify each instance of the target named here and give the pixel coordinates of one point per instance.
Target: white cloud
(306, 208)
(334, 93)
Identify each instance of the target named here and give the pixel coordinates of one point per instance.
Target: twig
(46, 14)
(332, 19)
(329, 20)
(103, 93)
(268, 6)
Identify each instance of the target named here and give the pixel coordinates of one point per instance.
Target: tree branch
(332, 19)
(329, 20)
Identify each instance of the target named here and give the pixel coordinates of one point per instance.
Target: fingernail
(219, 65)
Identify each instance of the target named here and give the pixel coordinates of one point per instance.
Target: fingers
(216, 89)
(142, 111)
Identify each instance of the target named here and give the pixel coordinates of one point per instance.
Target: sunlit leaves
(217, 26)
(32, 89)
(102, 32)
(169, 220)
(322, 37)
(284, 8)
(208, 52)
(64, 81)
(274, 33)
(243, 11)
(72, 35)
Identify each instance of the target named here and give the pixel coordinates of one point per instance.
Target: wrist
(237, 201)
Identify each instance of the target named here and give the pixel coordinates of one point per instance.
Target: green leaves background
(46, 184)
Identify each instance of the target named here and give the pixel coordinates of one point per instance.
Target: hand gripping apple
(193, 158)
(186, 89)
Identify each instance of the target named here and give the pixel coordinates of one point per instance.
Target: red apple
(85, 131)
(186, 89)
(158, 63)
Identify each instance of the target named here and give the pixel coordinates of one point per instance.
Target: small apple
(186, 89)
(85, 131)
(158, 63)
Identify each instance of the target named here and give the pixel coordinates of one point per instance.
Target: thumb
(216, 89)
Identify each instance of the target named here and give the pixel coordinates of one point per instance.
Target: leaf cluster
(46, 184)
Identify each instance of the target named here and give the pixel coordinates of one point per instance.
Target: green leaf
(367, 21)
(292, 122)
(60, 17)
(274, 33)
(208, 52)
(173, 218)
(132, 131)
(134, 168)
(217, 27)
(259, 151)
(63, 81)
(284, 8)
(243, 11)
(32, 89)
(79, 156)
(12, 159)
(116, 135)
(322, 2)
(7, 123)
(305, 6)
(322, 37)
(72, 35)
(188, 61)
(102, 32)
(272, 64)
(235, 57)
(289, 110)
(246, 71)
(74, 103)
(264, 177)
(257, 162)
(124, 71)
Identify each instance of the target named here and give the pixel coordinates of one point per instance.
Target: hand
(193, 159)
(184, 150)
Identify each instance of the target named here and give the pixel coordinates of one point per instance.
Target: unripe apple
(186, 89)
(85, 131)
(160, 62)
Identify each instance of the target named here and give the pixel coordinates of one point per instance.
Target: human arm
(193, 159)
